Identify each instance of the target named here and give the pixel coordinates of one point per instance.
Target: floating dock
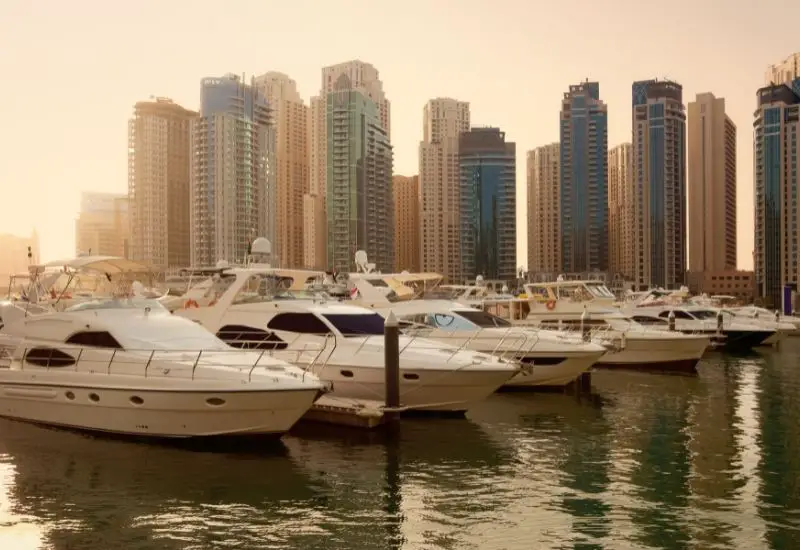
(345, 411)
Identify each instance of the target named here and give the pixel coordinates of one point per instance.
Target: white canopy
(110, 265)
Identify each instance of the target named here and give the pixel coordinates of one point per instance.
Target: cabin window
(446, 321)
(370, 324)
(679, 314)
(243, 337)
(49, 357)
(645, 320)
(304, 323)
(94, 339)
(483, 318)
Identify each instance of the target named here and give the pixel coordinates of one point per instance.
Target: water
(646, 461)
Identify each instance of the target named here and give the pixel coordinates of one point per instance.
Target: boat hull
(660, 353)
(158, 414)
(424, 389)
(558, 375)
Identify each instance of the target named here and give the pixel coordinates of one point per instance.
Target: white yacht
(555, 359)
(244, 307)
(571, 304)
(127, 366)
(787, 324)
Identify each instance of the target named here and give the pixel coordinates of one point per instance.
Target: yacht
(127, 366)
(252, 307)
(554, 359)
(572, 304)
(787, 324)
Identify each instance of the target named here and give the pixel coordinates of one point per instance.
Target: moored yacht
(554, 359)
(246, 308)
(127, 366)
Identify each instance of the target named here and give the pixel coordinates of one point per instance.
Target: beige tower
(544, 241)
(444, 120)
(621, 211)
(291, 118)
(103, 225)
(783, 72)
(711, 185)
(405, 191)
(159, 165)
(363, 78)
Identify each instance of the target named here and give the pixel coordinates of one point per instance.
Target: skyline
(87, 112)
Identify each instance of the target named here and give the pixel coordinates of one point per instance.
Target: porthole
(215, 401)
(136, 400)
(346, 373)
(69, 395)
(94, 397)
(410, 376)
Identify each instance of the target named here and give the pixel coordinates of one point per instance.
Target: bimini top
(109, 265)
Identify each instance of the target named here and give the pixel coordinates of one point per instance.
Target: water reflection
(647, 461)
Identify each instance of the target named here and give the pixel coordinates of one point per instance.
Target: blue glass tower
(777, 229)
(659, 177)
(488, 205)
(583, 183)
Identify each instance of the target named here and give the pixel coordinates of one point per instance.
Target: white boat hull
(424, 389)
(557, 375)
(162, 413)
(646, 352)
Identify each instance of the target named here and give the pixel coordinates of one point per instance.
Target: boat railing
(192, 363)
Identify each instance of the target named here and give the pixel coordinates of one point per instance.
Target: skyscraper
(488, 205)
(360, 77)
(544, 223)
(584, 179)
(405, 191)
(233, 175)
(777, 227)
(623, 246)
(444, 120)
(291, 118)
(711, 186)
(359, 164)
(159, 164)
(659, 176)
(784, 72)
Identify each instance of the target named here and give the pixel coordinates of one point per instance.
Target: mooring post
(777, 316)
(585, 326)
(719, 324)
(671, 320)
(391, 337)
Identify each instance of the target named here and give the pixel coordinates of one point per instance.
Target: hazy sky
(73, 70)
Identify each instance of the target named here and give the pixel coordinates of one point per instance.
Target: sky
(72, 72)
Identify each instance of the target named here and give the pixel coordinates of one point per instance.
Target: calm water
(647, 461)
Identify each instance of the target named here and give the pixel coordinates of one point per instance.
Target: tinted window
(482, 318)
(643, 320)
(49, 357)
(95, 339)
(366, 324)
(679, 314)
(243, 337)
(305, 323)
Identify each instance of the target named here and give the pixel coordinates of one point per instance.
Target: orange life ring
(551, 304)
(190, 303)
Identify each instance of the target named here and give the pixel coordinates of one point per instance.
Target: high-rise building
(777, 227)
(233, 174)
(584, 179)
(488, 168)
(358, 202)
(444, 120)
(103, 225)
(290, 116)
(659, 176)
(784, 72)
(711, 185)
(622, 212)
(159, 166)
(544, 223)
(363, 78)
(405, 191)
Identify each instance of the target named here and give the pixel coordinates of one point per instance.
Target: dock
(346, 411)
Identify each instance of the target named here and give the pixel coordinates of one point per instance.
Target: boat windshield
(482, 319)
(703, 314)
(356, 324)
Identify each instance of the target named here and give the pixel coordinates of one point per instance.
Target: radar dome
(261, 246)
